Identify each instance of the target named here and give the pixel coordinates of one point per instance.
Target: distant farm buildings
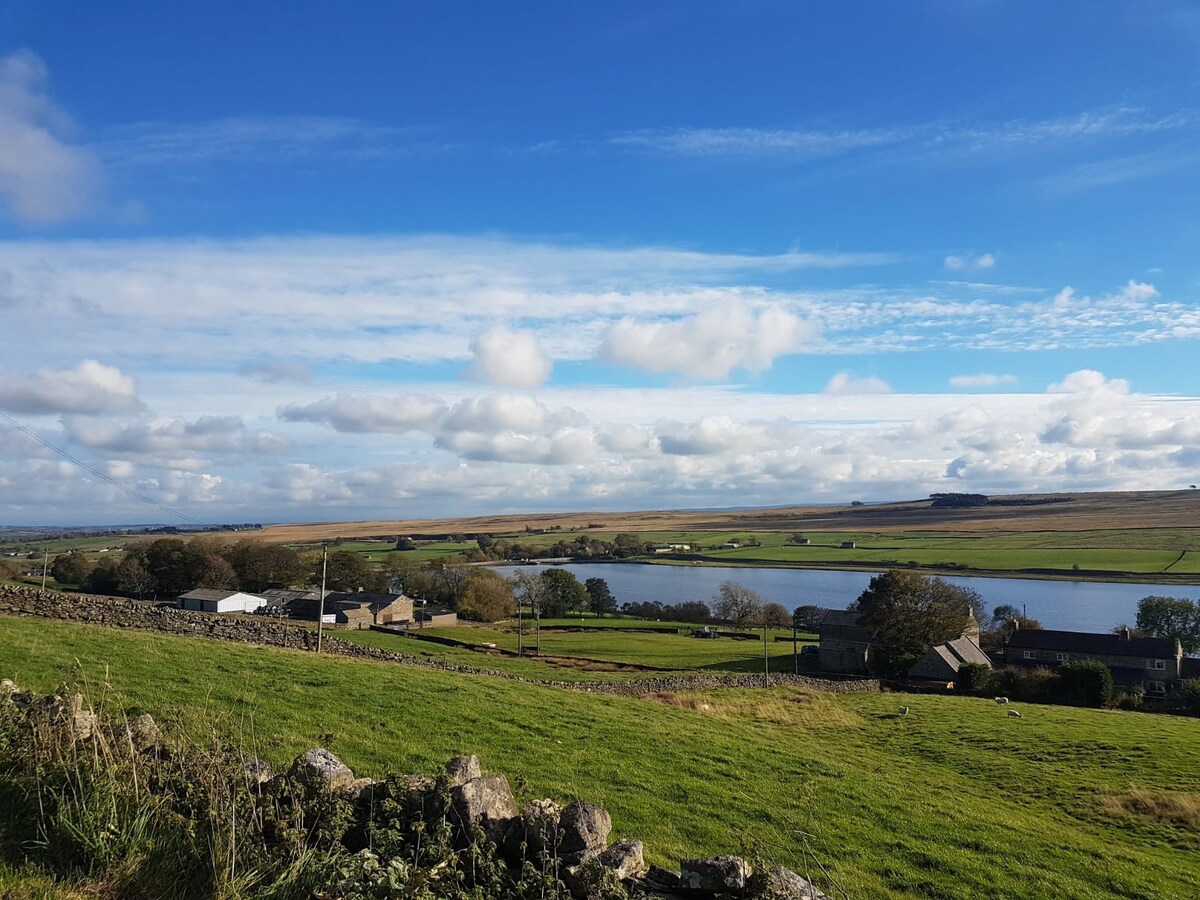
(219, 601)
(353, 609)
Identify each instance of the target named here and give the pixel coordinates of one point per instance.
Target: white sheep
(904, 710)
(1014, 714)
(1002, 700)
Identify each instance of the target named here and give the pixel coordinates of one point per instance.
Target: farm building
(430, 616)
(1155, 664)
(220, 601)
(359, 609)
(943, 661)
(849, 648)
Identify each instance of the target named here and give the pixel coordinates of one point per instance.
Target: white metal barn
(215, 601)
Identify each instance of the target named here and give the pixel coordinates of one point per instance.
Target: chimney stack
(1125, 633)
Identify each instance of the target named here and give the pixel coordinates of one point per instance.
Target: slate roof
(961, 650)
(207, 594)
(1088, 642)
(816, 616)
(359, 599)
(286, 595)
(846, 633)
(1189, 667)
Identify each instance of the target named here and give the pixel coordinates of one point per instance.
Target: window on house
(1031, 654)
(1156, 687)
(1062, 657)
(1156, 664)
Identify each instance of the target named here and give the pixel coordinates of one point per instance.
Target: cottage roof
(962, 650)
(207, 594)
(816, 616)
(846, 633)
(358, 599)
(430, 609)
(1088, 642)
(1189, 667)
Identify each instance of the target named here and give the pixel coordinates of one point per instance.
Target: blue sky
(328, 262)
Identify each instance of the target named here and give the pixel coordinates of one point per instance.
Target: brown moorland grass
(1080, 512)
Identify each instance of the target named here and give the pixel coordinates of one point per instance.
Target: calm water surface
(1070, 605)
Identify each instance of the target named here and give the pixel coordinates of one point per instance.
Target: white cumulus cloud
(369, 414)
(844, 383)
(1089, 381)
(712, 343)
(508, 358)
(90, 388)
(43, 179)
(969, 262)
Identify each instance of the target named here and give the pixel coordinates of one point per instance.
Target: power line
(67, 456)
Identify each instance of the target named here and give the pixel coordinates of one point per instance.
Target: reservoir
(1067, 605)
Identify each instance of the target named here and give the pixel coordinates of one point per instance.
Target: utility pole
(321, 605)
(766, 658)
(45, 565)
(795, 648)
(520, 629)
(537, 618)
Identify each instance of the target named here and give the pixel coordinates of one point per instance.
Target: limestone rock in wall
(778, 883)
(320, 770)
(626, 858)
(583, 831)
(715, 873)
(486, 801)
(461, 769)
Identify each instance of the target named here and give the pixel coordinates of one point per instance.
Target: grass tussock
(785, 706)
(1181, 810)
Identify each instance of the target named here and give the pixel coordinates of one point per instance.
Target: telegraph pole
(45, 565)
(795, 648)
(321, 606)
(520, 629)
(766, 658)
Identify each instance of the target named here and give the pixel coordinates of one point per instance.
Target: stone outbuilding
(943, 661)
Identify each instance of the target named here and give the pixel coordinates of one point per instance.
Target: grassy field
(613, 644)
(1168, 553)
(955, 800)
(665, 650)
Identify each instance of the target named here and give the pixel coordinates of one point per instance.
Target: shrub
(1085, 682)
(1189, 694)
(1131, 698)
(1028, 685)
(973, 678)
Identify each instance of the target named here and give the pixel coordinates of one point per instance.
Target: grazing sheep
(904, 710)
(1014, 714)
(1002, 700)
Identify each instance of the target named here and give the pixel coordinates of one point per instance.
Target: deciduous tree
(910, 614)
(736, 604)
(600, 598)
(1171, 617)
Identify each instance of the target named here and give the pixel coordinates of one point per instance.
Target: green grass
(665, 650)
(1141, 552)
(955, 800)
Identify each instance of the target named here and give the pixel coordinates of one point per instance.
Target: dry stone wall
(116, 612)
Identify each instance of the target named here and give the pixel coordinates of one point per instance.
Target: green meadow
(955, 800)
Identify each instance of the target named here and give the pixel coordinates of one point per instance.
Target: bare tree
(737, 604)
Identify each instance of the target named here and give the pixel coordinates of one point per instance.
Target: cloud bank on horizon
(256, 310)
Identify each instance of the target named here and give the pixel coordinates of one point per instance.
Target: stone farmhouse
(1154, 664)
(358, 609)
(848, 648)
